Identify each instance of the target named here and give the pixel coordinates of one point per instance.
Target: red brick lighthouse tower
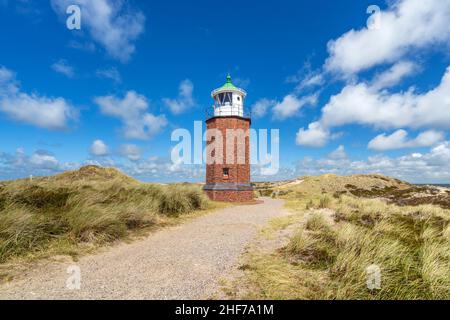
(228, 163)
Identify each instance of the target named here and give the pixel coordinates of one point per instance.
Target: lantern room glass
(224, 99)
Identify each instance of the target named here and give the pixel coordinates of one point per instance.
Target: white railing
(224, 111)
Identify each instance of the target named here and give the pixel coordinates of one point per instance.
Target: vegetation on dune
(336, 237)
(90, 205)
(331, 184)
(363, 186)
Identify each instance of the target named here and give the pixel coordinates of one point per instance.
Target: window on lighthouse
(225, 98)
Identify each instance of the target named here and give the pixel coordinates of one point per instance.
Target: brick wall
(239, 171)
(230, 196)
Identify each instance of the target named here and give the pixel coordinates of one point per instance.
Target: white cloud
(394, 75)
(291, 104)
(99, 148)
(64, 68)
(40, 163)
(83, 46)
(406, 25)
(41, 111)
(132, 110)
(110, 23)
(109, 73)
(132, 105)
(311, 80)
(8, 82)
(48, 113)
(6, 75)
(399, 140)
(260, 108)
(362, 104)
(162, 169)
(20, 165)
(314, 136)
(184, 100)
(431, 167)
(130, 151)
(44, 161)
(339, 153)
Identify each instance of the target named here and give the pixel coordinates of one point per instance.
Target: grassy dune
(92, 205)
(335, 236)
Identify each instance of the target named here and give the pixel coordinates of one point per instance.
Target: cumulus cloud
(20, 165)
(399, 140)
(44, 160)
(394, 75)
(162, 169)
(314, 136)
(261, 173)
(130, 151)
(8, 83)
(41, 111)
(291, 104)
(110, 23)
(109, 73)
(430, 167)
(99, 148)
(132, 111)
(261, 107)
(43, 163)
(405, 26)
(311, 80)
(63, 67)
(362, 104)
(185, 99)
(339, 153)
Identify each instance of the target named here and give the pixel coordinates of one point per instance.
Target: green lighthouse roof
(228, 86)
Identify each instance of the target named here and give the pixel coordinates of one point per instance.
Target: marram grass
(327, 258)
(92, 205)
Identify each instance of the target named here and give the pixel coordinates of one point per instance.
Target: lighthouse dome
(228, 100)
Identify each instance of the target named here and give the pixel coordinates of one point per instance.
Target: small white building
(229, 100)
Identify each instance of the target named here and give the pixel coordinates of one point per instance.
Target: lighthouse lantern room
(229, 100)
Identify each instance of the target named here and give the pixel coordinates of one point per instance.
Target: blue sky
(348, 95)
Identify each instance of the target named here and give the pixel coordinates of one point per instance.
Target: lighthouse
(228, 146)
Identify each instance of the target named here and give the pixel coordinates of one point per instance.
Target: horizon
(255, 182)
(353, 88)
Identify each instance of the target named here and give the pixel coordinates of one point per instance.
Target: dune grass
(329, 258)
(93, 205)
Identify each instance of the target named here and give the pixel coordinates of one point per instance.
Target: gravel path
(182, 262)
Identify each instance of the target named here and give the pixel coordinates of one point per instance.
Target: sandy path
(182, 262)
